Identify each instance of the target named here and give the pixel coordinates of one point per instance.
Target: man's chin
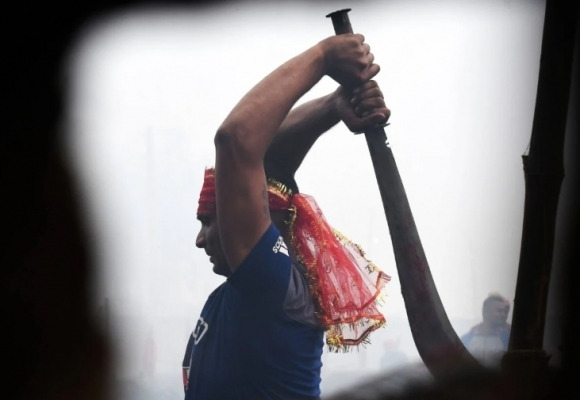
(219, 270)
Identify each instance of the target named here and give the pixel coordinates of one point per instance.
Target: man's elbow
(229, 134)
(236, 142)
(224, 137)
(231, 143)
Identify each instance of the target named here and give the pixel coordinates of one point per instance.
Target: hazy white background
(150, 87)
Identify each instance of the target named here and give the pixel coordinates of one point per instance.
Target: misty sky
(151, 86)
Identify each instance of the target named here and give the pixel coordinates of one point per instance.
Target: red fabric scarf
(345, 285)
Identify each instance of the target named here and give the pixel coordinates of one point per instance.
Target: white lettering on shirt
(280, 246)
(200, 330)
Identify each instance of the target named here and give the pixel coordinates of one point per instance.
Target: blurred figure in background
(488, 340)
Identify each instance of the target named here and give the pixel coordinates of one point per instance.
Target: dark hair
(280, 174)
(491, 298)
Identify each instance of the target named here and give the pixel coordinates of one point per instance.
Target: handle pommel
(340, 21)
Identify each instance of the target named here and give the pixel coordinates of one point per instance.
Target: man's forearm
(251, 125)
(259, 114)
(299, 131)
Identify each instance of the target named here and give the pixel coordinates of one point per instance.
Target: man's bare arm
(298, 133)
(244, 136)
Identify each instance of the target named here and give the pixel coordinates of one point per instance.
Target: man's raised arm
(243, 138)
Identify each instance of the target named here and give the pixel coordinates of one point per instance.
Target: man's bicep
(242, 207)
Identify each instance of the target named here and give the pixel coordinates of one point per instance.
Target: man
(290, 277)
(488, 340)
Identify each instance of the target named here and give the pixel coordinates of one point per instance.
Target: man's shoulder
(217, 290)
(265, 273)
(270, 249)
(473, 331)
(265, 250)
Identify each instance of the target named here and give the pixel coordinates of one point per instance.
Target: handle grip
(340, 21)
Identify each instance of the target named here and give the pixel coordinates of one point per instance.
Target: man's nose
(200, 239)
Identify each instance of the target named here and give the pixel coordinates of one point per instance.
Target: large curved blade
(437, 343)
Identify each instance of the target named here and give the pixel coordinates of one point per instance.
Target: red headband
(278, 195)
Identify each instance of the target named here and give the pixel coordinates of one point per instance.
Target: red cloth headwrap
(278, 195)
(344, 284)
(206, 205)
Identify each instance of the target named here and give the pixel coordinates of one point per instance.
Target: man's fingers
(373, 120)
(367, 47)
(371, 71)
(374, 92)
(376, 119)
(365, 86)
(370, 105)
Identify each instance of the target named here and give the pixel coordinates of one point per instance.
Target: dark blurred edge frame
(53, 347)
